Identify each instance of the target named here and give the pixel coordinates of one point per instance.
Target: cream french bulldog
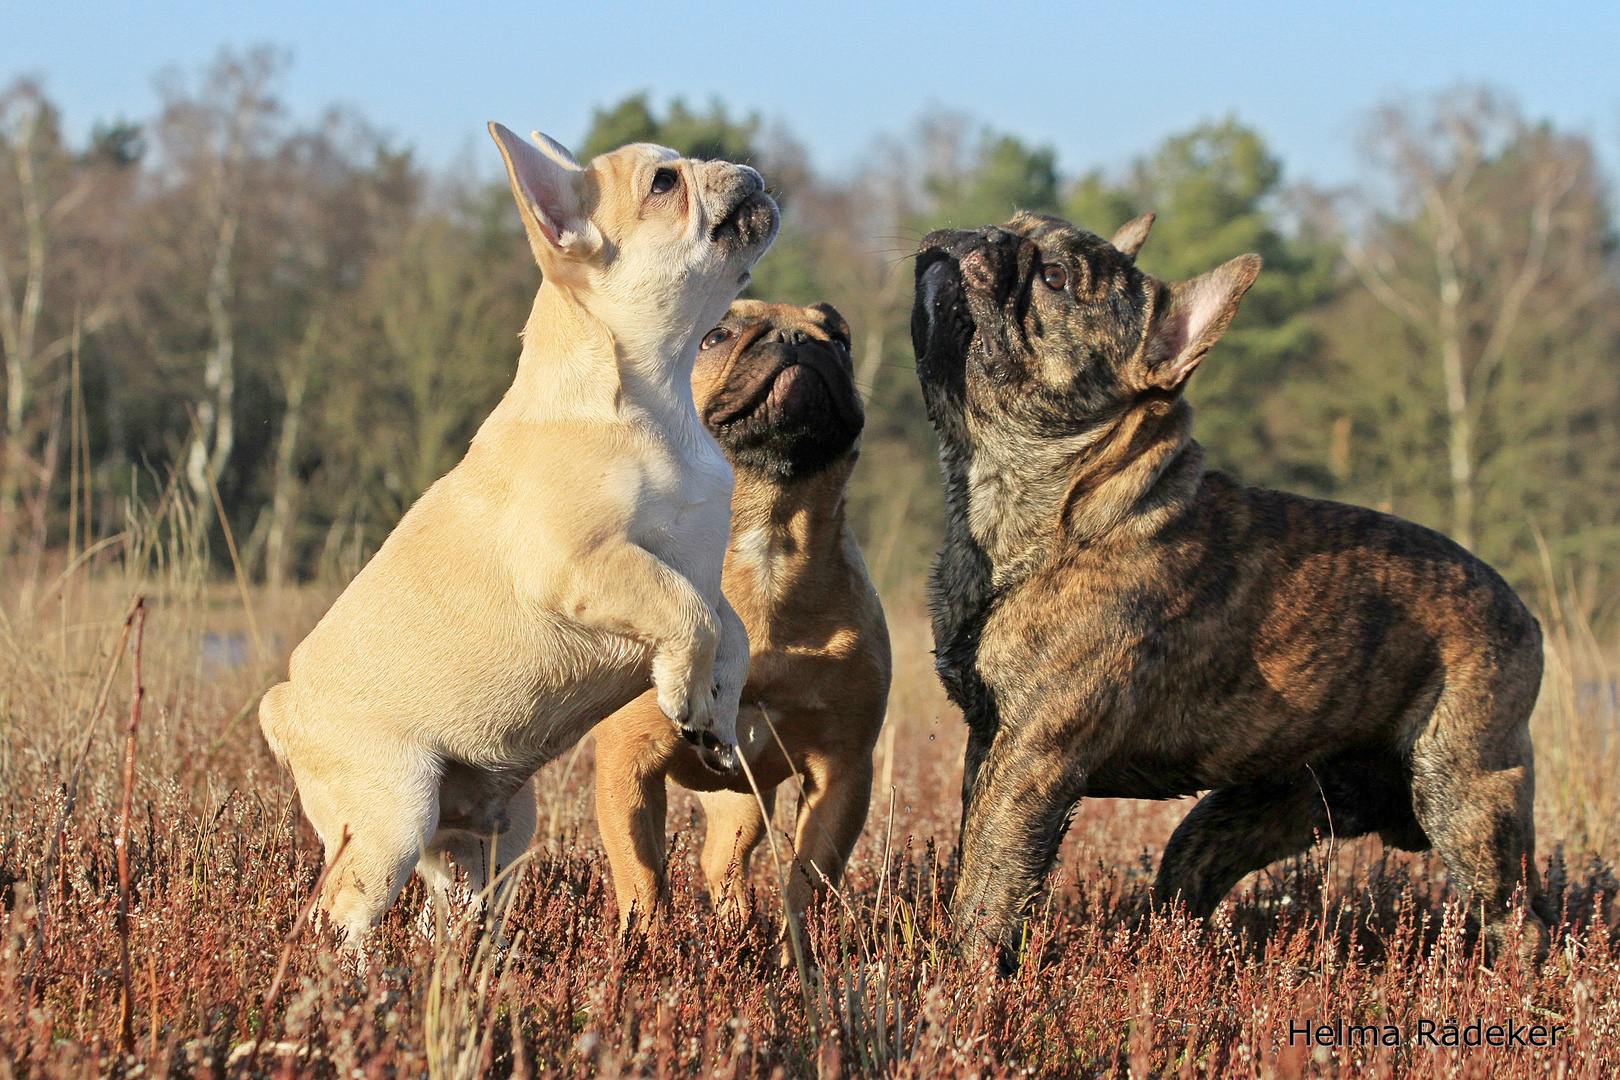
(570, 561)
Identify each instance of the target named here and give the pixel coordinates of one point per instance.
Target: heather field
(222, 977)
(262, 278)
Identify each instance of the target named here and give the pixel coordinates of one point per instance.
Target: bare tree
(1464, 256)
(45, 188)
(294, 374)
(212, 141)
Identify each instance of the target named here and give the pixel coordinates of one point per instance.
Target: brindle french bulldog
(774, 383)
(1116, 620)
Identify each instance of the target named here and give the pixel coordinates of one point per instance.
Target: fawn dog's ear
(1132, 235)
(546, 186)
(1198, 314)
(835, 322)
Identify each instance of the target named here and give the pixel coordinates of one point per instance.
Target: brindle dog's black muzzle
(959, 272)
(941, 325)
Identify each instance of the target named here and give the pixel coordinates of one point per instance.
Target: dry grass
(221, 868)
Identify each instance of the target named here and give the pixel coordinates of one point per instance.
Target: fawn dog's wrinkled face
(652, 243)
(775, 384)
(1043, 330)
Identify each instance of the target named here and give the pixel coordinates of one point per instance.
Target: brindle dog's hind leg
(1247, 827)
(1473, 790)
(1234, 831)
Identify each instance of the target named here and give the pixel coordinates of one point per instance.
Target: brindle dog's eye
(718, 336)
(664, 180)
(1055, 276)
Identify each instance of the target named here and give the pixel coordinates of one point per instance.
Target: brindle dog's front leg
(979, 740)
(1025, 790)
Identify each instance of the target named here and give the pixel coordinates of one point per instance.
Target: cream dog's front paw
(716, 754)
(694, 713)
(719, 752)
(685, 686)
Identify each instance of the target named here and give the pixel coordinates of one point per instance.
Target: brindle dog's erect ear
(1131, 235)
(544, 185)
(1198, 314)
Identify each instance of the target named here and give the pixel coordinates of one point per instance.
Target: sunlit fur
(1115, 620)
(819, 676)
(570, 561)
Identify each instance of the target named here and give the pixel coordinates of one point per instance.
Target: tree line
(297, 328)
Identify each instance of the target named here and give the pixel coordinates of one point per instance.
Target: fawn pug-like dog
(775, 385)
(1116, 620)
(572, 557)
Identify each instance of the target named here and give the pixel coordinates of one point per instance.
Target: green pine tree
(1215, 190)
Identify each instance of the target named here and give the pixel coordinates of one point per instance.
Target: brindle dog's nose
(989, 266)
(789, 335)
(977, 270)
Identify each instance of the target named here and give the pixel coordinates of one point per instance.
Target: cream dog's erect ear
(555, 150)
(546, 186)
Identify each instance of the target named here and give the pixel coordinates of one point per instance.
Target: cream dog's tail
(276, 714)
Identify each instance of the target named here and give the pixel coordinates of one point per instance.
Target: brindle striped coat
(1116, 620)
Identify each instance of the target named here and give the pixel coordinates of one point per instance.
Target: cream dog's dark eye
(717, 336)
(664, 180)
(1055, 276)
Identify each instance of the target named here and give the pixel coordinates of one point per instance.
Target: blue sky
(1100, 82)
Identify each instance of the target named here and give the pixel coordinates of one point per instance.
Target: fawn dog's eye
(718, 336)
(1055, 276)
(665, 180)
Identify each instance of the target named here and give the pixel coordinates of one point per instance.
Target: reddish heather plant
(1349, 940)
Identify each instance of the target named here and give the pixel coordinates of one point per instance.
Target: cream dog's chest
(688, 516)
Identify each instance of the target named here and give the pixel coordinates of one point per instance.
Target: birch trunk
(294, 378)
(19, 326)
(216, 431)
(215, 434)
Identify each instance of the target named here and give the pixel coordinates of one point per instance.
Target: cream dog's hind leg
(388, 805)
(468, 848)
